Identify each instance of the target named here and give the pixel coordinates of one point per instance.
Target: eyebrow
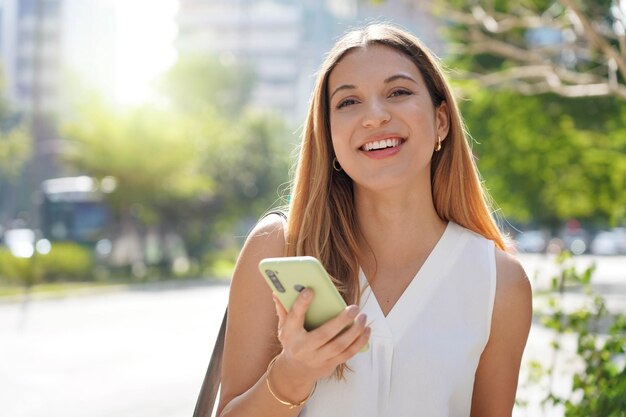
(387, 81)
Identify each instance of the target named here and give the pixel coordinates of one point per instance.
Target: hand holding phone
(289, 275)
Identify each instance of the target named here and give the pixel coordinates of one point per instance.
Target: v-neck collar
(423, 283)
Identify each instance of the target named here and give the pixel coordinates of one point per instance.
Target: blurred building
(31, 39)
(46, 43)
(284, 41)
(30, 44)
(45, 47)
(414, 15)
(265, 35)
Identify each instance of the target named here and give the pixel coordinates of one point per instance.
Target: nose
(376, 114)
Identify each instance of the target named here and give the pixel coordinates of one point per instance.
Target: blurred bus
(73, 210)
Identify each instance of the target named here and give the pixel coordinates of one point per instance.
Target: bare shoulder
(267, 235)
(512, 282)
(512, 313)
(266, 240)
(251, 328)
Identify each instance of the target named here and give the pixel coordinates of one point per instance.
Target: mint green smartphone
(289, 275)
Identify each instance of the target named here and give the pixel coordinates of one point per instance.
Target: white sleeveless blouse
(423, 356)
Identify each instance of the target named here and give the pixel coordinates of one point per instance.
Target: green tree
(156, 162)
(198, 166)
(147, 151)
(15, 148)
(542, 85)
(197, 81)
(248, 162)
(546, 159)
(599, 387)
(196, 174)
(573, 48)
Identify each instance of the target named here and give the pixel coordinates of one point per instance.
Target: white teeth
(380, 144)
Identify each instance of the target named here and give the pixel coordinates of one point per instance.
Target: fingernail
(361, 319)
(353, 311)
(306, 293)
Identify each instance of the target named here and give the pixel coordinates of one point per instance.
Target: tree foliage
(546, 159)
(15, 149)
(542, 86)
(198, 166)
(198, 80)
(146, 150)
(599, 385)
(573, 48)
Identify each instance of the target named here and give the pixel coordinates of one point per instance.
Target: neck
(396, 227)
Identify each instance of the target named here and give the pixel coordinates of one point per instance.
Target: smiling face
(383, 123)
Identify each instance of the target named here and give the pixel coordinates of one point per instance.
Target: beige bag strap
(208, 392)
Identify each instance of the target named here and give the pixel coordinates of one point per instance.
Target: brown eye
(400, 92)
(346, 102)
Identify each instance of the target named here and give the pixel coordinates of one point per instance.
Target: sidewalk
(101, 289)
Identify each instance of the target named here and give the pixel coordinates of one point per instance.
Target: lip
(384, 152)
(382, 136)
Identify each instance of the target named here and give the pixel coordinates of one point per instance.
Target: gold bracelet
(287, 403)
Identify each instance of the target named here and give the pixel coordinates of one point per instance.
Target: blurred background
(140, 140)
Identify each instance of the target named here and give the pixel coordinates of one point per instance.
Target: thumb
(300, 307)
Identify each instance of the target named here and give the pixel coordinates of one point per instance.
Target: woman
(387, 196)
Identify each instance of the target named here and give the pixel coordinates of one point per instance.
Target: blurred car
(576, 241)
(532, 241)
(611, 242)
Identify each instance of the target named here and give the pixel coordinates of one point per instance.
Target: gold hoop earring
(336, 165)
(438, 145)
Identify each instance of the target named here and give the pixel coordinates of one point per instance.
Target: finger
(299, 308)
(356, 346)
(329, 330)
(345, 339)
(280, 310)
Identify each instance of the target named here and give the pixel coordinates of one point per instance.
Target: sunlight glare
(145, 35)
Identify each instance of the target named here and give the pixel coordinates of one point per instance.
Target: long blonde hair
(322, 220)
